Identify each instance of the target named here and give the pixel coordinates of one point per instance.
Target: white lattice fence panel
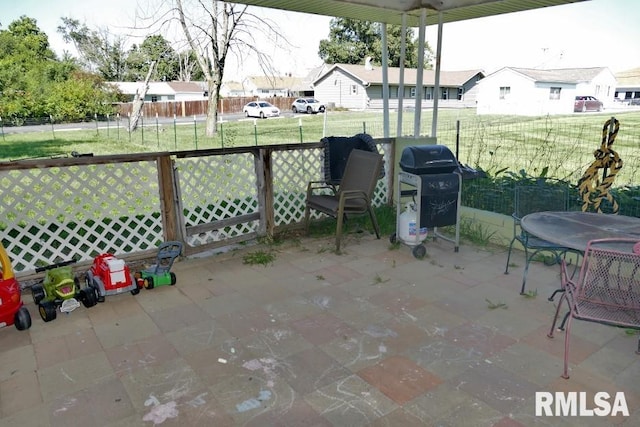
(381, 195)
(292, 172)
(58, 213)
(216, 188)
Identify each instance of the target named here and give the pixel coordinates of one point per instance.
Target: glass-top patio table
(574, 229)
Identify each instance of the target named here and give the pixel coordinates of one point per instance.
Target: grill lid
(428, 159)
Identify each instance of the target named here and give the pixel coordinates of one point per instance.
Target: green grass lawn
(563, 144)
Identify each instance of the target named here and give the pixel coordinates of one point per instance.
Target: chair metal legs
(565, 373)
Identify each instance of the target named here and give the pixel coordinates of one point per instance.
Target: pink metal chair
(607, 291)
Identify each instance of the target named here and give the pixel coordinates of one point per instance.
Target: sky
(595, 33)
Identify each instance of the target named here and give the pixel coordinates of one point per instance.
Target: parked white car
(261, 109)
(307, 105)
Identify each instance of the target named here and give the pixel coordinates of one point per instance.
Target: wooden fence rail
(198, 108)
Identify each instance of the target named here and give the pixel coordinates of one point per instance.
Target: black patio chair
(543, 195)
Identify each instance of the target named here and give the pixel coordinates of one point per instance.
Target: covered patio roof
(390, 11)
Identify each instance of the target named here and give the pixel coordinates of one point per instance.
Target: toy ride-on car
(160, 273)
(12, 310)
(109, 275)
(60, 288)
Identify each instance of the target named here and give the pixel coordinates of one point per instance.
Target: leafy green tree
(153, 48)
(26, 61)
(351, 41)
(99, 51)
(34, 83)
(81, 95)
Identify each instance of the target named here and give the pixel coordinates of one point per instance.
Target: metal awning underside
(390, 11)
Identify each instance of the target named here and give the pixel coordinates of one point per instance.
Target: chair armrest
(319, 185)
(565, 281)
(352, 195)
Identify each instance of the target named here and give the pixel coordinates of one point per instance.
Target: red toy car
(110, 276)
(12, 310)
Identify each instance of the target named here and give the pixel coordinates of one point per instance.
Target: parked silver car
(307, 105)
(261, 109)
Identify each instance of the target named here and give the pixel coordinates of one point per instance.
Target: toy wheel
(22, 319)
(135, 291)
(148, 282)
(47, 310)
(37, 291)
(88, 297)
(393, 238)
(173, 278)
(419, 251)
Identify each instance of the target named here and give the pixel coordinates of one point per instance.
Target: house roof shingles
(564, 75)
(275, 82)
(374, 75)
(629, 78)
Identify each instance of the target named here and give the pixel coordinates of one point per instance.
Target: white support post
(403, 54)
(385, 82)
(436, 88)
(420, 73)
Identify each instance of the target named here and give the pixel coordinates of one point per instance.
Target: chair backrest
(361, 172)
(611, 277)
(336, 151)
(544, 195)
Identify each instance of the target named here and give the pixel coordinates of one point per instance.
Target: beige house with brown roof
(360, 87)
(536, 92)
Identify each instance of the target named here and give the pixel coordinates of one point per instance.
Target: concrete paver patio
(371, 337)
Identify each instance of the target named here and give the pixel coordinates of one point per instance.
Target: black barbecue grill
(428, 160)
(434, 173)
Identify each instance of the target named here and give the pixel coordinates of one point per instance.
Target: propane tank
(407, 225)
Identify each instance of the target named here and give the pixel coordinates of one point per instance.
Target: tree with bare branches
(216, 29)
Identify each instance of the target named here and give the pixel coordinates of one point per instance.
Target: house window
(444, 93)
(460, 93)
(413, 92)
(354, 89)
(154, 98)
(505, 91)
(428, 93)
(554, 93)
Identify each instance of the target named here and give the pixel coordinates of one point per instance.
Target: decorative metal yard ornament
(594, 190)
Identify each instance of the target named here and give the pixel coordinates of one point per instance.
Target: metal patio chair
(607, 290)
(352, 196)
(544, 195)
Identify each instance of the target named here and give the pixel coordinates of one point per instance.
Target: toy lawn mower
(160, 273)
(60, 288)
(12, 310)
(109, 275)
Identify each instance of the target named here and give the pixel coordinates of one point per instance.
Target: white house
(533, 92)
(164, 91)
(360, 87)
(263, 87)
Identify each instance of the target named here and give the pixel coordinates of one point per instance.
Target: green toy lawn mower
(160, 273)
